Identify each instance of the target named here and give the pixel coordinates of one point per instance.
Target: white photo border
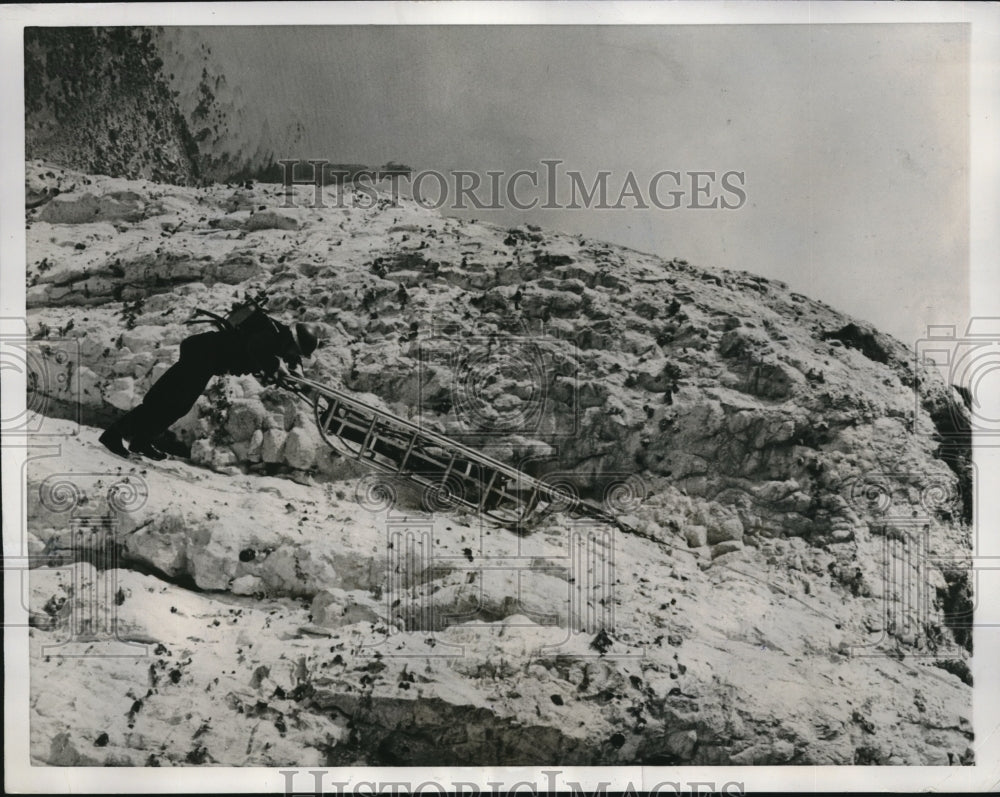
(984, 22)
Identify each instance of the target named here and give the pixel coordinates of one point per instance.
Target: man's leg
(173, 395)
(170, 397)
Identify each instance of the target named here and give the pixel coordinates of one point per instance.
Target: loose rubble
(771, 452)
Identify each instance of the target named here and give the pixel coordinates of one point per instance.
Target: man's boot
(147, 449)
(112, 441)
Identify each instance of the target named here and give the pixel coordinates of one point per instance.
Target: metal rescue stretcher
(450, 473)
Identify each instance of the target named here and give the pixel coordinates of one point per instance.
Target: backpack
(244, 318)
(249, 325)
(249, 318)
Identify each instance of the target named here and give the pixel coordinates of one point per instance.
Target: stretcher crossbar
(455, 474)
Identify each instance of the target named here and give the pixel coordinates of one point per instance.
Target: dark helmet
(307, 338)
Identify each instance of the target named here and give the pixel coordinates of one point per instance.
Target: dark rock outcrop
(96, 100)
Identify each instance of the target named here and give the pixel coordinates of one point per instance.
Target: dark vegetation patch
(854, 337)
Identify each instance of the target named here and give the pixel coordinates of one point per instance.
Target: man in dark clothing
(258, 347)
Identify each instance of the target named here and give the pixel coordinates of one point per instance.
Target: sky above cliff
(852, 139)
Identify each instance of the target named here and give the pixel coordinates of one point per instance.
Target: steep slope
(143, 102)
(96, 99)
(235, 139)
(799, 597)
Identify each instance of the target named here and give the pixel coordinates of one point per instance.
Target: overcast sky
(853, 138)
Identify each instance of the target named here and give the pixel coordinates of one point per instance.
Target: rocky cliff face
(96, 100)
(235, 139)
(797, 594)
(142, 102)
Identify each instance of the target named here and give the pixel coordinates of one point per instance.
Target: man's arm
(274, 352)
